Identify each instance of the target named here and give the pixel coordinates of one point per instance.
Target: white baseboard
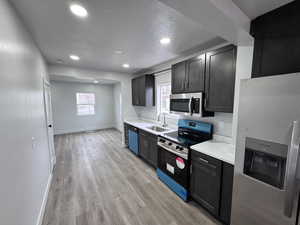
(45, 198)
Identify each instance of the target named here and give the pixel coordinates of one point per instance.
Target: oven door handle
(172, 151)
(291, 170)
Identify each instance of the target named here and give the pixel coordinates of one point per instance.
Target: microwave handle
(190, 106)
(291, 170)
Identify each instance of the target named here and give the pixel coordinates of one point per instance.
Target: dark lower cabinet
(226, 194)
(126, 134)
(148, 147)
(220, 79)
(206, 181)
(211, 185)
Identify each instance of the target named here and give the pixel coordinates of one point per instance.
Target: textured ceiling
(133, 26)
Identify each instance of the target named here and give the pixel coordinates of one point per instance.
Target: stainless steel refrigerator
(267, 171)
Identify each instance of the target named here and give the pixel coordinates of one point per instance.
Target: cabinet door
(196, 74)
(126, 133)
(220, 79)
(179, 77)
(144, 145)
(141, 90)
(206, 182)
(153, 151)
(226, 195)
(276, 56)
(135, 91)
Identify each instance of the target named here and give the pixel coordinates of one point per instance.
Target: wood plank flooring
(98, 181)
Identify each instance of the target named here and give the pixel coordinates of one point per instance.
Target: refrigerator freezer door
(267, 109)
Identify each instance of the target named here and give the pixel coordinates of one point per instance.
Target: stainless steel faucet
(164, 121)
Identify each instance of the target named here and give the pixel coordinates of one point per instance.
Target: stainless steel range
(174, 154)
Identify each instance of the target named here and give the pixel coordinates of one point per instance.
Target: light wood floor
(97, 181)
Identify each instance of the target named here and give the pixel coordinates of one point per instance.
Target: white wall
(118, 106)
(65, 118)
(127, 110)
(24, 162)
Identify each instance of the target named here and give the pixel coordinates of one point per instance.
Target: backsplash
(222, 121)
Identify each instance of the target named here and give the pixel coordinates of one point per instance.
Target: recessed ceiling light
(74, 57)
(96, 82)
(125, 65)
(78, 10)
(165, 41)
(119, 52)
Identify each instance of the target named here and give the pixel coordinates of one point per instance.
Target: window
(85, 104)
(164, 97)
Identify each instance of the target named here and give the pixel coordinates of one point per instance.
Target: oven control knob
(170, 143)
(181, 149)
(177, 147)
(162, 140)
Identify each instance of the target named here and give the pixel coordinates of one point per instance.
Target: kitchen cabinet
(178, 78)
(211, 185)
(189, 76)
(206, 181)
(277, 42)
(148, 147)
(196, 74)
(226, 193)
(220, 79)
(143, 91)
(126, 134)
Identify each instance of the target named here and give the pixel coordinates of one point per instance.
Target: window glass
(85, 103)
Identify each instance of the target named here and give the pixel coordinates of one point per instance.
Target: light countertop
(144, 125)
(217, 149)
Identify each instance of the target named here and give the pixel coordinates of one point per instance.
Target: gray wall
(118, 106)
(65, 117)
(24, 159)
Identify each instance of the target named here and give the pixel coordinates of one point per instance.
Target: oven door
(174, 166)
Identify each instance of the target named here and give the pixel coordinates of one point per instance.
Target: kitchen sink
(157, 128)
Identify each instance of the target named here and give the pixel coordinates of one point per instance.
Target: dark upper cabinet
(195, 74)
(206, 181)
(188, 76)
(135, 92)
(178, 78)
(220, 79)
(277, 41)
(143, 91)
(148, 147)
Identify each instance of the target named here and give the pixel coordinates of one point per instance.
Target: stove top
(190, 133)
(184, 141)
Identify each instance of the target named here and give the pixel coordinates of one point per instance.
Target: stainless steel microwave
(190, 104)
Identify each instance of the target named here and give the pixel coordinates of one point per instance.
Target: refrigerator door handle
(291, 170)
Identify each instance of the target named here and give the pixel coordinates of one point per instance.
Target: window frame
(86, 104)
(163, 78)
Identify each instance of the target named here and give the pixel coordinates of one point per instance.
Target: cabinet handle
(203, 160)
(191, 169)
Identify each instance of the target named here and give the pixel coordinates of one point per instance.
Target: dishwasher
(133, 139)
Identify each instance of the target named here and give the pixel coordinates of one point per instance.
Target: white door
(48, 111)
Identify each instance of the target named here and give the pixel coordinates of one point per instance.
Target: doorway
(49, 124)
